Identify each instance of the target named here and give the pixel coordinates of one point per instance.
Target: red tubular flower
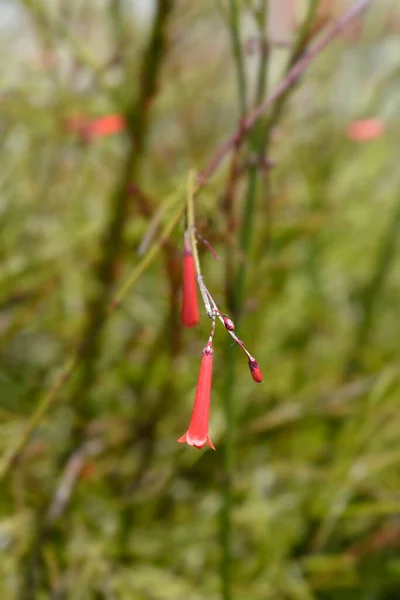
(190, 308)
(255, 370)
(197, 434)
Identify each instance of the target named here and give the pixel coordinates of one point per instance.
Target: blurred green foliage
(316, 483)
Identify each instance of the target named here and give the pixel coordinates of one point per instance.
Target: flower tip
(196, 443)
(190, 320)
(255, 370)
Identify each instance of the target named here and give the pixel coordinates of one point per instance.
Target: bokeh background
(301, 498)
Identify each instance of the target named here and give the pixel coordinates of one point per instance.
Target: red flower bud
(229, 324)
(197, 434)
(190, 308)
(255, 370)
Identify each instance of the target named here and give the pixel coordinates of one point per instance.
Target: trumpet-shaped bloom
(197, 435)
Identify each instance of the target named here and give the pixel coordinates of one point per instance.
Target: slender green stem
(294, 57)
(210, 305)
(191, 224)
(264, 56)
(261, 140)
(234, 302)
(228, 466)
(58, 29)
(231, 143)
(116, 9)
(238, 55)
(257, 144)
(228, 394)
(137, 115)
(191, 228)
(371, 292)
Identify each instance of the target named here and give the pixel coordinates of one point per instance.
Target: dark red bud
(229, 324)
(255, 370)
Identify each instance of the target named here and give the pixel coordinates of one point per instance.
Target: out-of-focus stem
(228, 391)
(58, 29)
(228, 465)
(258, 141)
(137, 119)
(257, 146)
(298, 69)
(50, 397)
(295, 55)
(238, 54)
(261, 141)
(371, 292)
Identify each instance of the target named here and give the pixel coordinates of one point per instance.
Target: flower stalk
(197, 434)
(210, 305)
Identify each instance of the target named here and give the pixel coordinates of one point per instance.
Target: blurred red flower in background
(364, 130)
(88, 129)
